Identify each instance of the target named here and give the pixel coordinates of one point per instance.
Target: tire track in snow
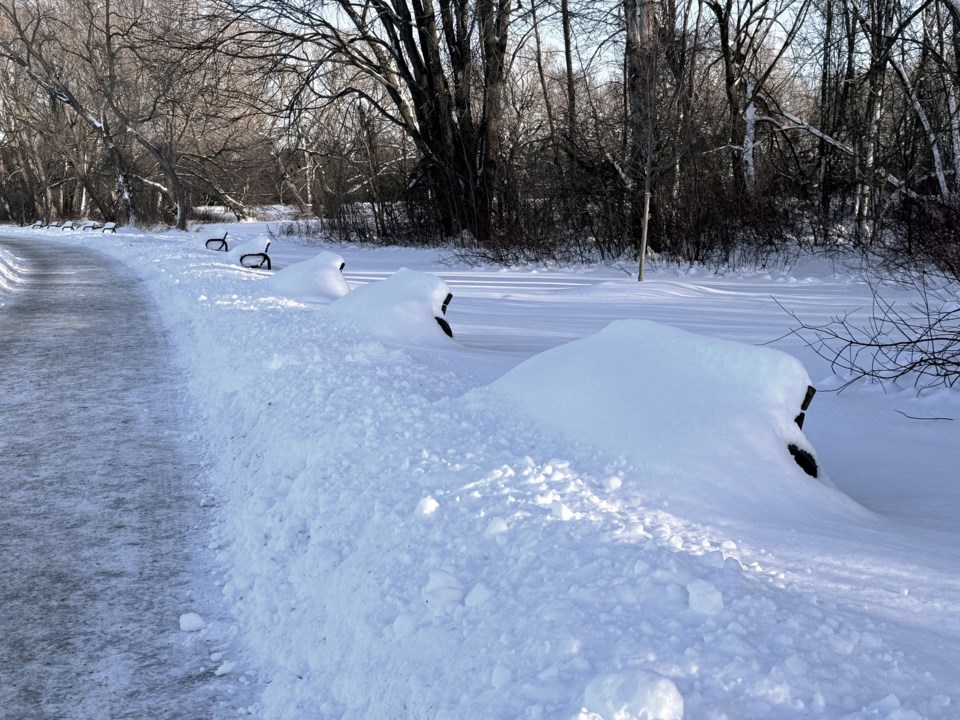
(96, 506)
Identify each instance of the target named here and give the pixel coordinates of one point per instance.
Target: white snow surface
(579, 507)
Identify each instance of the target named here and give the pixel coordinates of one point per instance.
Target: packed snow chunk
(714, 414)
(889, 708)
(496, 527)
(317, 280)
(191, 622)
(225, 668)
(443, 591)
(704, 597)
(633, 695)
(480, 595)
(427, 506)
(500, 677)
(407, 308)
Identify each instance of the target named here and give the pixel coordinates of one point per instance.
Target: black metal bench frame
(218, 244)
(256, 260)
(442, 321)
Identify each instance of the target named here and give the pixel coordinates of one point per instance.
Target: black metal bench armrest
(219, 244)
(256, 260)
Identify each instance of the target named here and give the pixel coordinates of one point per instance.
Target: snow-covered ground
(550, 516)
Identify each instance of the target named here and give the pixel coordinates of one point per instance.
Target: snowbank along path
(97, 503)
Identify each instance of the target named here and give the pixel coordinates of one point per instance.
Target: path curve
(98, 502)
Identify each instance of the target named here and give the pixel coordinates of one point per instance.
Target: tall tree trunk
(541, 74)
(641, 66)
(571, 85)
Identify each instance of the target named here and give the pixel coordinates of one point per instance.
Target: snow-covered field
(550, 516)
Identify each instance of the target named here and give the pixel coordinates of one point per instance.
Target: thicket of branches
(709, 130)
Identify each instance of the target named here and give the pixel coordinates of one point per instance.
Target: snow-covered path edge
(390, 553)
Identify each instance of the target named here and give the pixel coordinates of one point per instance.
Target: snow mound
(707, 414)
(318, 279)
(634, 695)
(402, 309)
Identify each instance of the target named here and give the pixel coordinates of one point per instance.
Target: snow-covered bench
(68, 225)
(110, 227)
(52, 226)
(90, 225)
(257, 258)
(317, 280)
(408, 307)
(37, 225)
(217, 243)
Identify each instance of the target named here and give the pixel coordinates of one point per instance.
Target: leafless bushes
(917, 342)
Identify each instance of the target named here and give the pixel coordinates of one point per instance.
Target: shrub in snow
(319, 279)
(633, 695)
(716, 413)
(408, 308)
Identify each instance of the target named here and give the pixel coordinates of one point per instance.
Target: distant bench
(110, 227)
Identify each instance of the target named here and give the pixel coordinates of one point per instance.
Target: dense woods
(709, 130)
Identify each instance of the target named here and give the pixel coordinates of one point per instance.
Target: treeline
(526, 128)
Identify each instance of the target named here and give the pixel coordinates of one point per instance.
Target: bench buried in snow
(319, 279)
(217, 243)
(407, 308)
(706, 413)
(252, 254)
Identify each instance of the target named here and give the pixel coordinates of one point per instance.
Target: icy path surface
(97, 503)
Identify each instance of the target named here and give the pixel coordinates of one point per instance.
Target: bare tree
(441, 67)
